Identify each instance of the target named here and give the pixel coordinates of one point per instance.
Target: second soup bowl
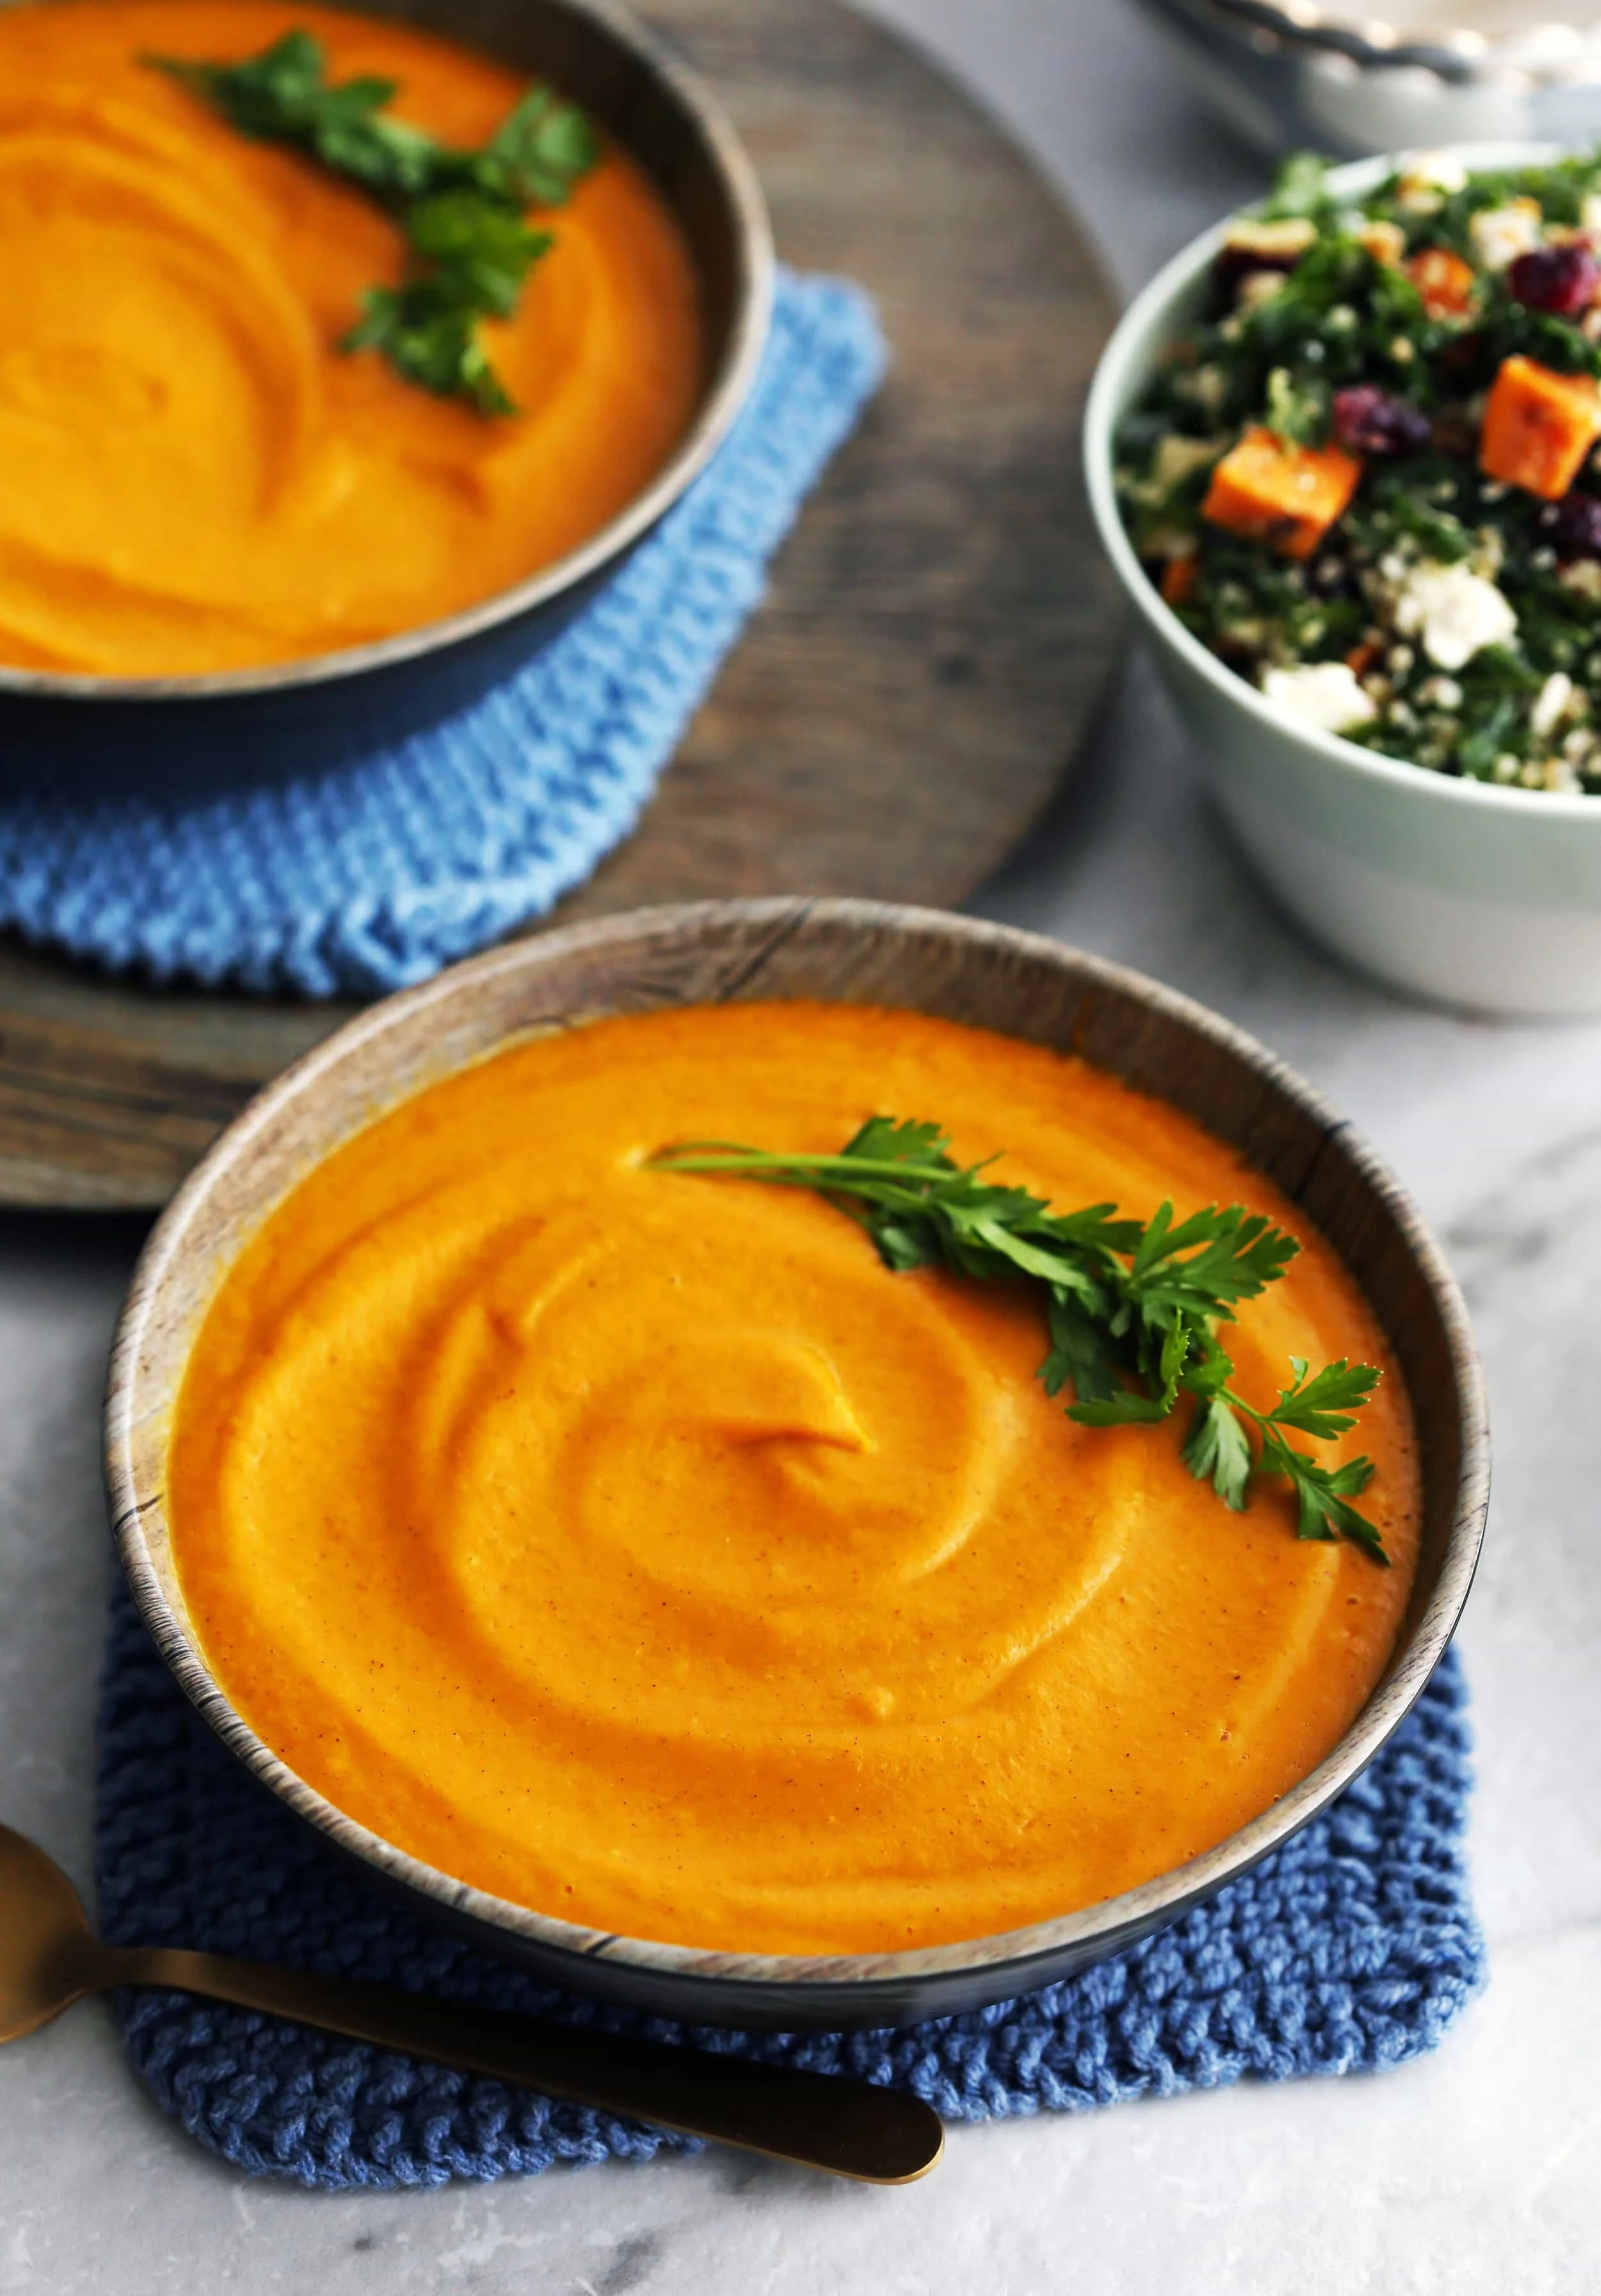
(324, 708)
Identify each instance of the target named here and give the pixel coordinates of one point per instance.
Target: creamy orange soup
(639, 1548)
(193, 477)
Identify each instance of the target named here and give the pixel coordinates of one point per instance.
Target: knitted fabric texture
(366, 878)
(1352, 1947)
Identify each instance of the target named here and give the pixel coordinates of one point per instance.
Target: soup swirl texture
(640, 1549)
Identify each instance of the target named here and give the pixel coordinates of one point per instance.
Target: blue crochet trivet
(1353, 1947)
(367, 877)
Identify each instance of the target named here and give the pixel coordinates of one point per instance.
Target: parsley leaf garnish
(469, 246)
(1132, 1308)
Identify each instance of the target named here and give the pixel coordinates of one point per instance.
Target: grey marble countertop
(1473, 2171)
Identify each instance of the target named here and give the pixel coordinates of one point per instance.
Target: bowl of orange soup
(226, 531)
(643, 1577)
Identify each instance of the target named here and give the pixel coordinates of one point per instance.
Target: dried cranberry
(1563, 279)
(1574, 526)
(1368, 420)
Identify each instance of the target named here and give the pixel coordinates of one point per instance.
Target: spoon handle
(819, 2121)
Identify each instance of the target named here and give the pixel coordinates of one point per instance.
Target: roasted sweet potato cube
(1179, 577)
(1447, 285)
(1289, 496)
(1538, 427)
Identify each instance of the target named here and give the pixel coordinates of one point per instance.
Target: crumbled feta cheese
(1590, 212)
(1444, 170)
(1441, 693)
(1321, 693)
(1426, 177)
(1550, 704)
(1456, 612)
(1500, 234)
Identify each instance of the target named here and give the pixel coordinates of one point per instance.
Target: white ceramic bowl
(1456, 890)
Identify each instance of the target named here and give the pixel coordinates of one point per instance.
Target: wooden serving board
(933, 648)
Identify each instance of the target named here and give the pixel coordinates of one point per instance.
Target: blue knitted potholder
(364, 878)
(1352, 1947)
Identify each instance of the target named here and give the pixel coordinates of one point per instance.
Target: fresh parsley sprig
(469, 246)
(1132, 1307)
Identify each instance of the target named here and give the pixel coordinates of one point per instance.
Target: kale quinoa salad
(1367, 478)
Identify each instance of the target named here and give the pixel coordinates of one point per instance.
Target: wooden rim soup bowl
(856, 952)
(324, 708)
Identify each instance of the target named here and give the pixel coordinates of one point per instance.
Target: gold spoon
(49, 1958)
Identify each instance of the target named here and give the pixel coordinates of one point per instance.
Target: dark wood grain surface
(931, 650)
